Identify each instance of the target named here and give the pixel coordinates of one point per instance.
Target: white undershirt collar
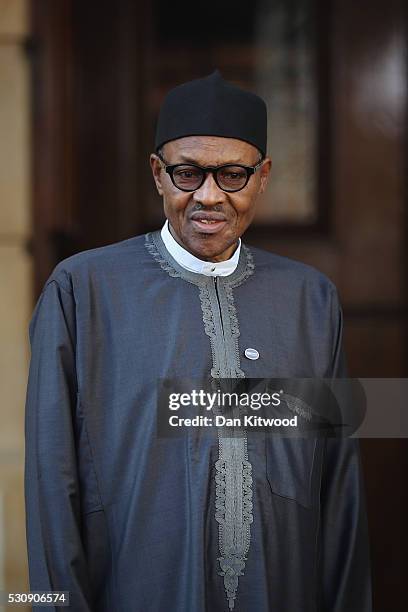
(193, 264)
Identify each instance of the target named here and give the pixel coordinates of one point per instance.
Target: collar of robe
(188, 261)
(157, 249)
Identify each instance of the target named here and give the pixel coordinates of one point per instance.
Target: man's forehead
(211, 150)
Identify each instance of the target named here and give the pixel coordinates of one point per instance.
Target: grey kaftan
(131, 522)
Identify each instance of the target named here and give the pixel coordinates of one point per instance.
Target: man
(127, 520)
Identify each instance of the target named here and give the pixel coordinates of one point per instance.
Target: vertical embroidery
(233, 511)
(233, 470)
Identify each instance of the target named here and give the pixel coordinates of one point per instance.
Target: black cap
(212, 107)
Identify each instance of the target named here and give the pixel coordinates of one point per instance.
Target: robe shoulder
(91, 263)
(290, 274)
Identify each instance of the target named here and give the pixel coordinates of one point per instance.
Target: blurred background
(80, 87)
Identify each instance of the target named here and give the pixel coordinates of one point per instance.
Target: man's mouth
(208, 223)
(205, 226)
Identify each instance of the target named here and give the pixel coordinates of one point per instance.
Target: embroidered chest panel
(233, 470)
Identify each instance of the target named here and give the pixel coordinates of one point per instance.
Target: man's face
(231, 213)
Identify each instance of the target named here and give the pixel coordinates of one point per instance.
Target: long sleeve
(344, 550)
(56, 556)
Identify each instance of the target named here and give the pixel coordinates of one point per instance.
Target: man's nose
(209, 194)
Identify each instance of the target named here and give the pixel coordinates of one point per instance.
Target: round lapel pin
(251, 353)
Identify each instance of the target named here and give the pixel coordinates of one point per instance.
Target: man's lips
(208, 216)
(208, 222)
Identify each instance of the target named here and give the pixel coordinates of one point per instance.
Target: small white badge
(251, 353)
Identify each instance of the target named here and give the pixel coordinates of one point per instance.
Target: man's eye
(231, 175)
(187, 174)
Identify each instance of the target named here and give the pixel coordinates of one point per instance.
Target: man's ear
(156, 171)
(264, 173)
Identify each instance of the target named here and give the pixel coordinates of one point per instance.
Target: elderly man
(128, 520)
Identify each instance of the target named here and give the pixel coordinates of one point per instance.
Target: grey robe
(131, 522)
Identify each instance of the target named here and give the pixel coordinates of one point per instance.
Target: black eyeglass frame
(250, 170)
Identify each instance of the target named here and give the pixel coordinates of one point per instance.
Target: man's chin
(210, 248)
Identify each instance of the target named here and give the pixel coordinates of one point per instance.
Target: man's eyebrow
(186, 158)
(191, 160)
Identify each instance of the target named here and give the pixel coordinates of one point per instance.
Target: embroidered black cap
(211, 106)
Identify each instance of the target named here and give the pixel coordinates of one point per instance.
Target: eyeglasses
(189, 177)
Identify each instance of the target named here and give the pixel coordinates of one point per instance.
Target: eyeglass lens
(228, 178)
